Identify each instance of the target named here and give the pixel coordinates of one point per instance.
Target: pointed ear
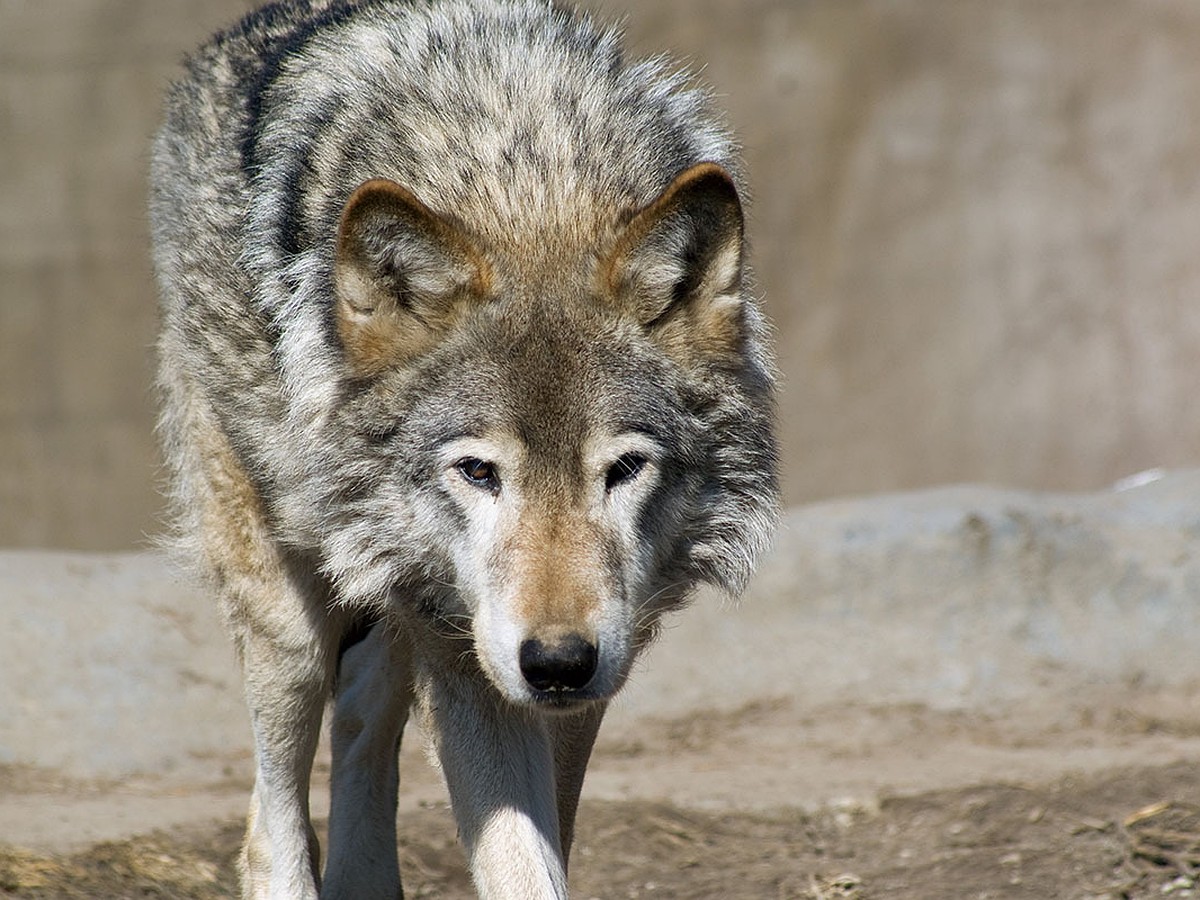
(402, 276)
(677, 267)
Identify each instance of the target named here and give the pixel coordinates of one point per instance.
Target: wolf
(463, 386)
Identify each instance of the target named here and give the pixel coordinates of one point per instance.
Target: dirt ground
(1085, 799)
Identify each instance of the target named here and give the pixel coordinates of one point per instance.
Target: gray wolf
(463, 388)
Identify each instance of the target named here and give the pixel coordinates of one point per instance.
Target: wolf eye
(626, 468)
(479, 473)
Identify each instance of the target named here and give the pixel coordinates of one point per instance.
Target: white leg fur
(286, 693)
(499, 766)
(371, 703)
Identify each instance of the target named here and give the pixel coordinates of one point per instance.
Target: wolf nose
(566, 665)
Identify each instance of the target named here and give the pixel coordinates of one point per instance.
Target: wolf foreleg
(572, 737)
(499, 766)
(371, 703)
(286, 694)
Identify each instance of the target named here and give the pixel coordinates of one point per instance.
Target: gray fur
(522, 126)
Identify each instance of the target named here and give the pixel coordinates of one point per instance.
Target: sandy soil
(768, 801)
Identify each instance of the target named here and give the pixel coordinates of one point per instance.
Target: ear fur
(402, 275)
(677, 267)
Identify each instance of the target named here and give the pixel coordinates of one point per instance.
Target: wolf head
(548, 463)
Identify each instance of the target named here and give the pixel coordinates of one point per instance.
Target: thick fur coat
(463, 387)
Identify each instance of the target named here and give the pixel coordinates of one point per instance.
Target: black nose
(565, 665)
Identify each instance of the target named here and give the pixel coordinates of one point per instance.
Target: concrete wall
(976, 224)
(80, 82)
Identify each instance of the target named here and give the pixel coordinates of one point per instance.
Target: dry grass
(183, 867)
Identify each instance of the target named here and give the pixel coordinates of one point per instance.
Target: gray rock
(956, 598)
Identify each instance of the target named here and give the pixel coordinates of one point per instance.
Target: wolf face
(555, 559)
(547, 450)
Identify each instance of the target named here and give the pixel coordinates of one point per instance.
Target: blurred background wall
(976, 224)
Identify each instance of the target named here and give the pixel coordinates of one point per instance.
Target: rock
(959, 597)
(112, 664)
(955, 598)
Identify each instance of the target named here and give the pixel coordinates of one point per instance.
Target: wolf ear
(402, 276)
(677, 267)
